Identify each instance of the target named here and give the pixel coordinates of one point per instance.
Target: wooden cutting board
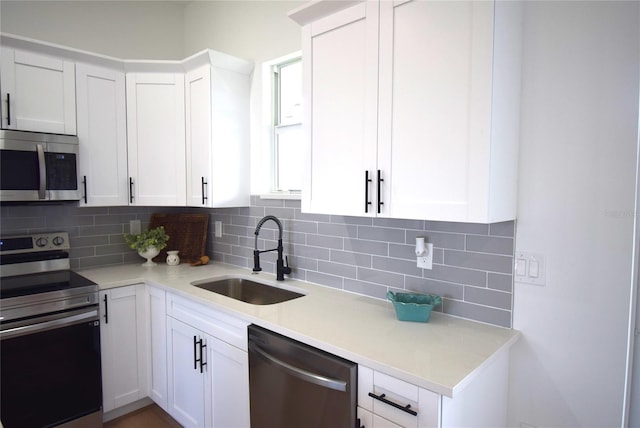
(187, 234)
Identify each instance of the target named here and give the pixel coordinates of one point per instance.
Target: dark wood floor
(148, 417)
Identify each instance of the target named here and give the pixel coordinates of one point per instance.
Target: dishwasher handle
(302, 374)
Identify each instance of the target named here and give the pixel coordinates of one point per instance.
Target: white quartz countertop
(442, 355)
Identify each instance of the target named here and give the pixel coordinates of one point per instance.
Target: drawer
(369, 420)
(220, 325)
(398, 392)
(393, 393)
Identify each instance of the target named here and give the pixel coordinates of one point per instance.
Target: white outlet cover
(218, 228)
(135, 227)
(426, 261)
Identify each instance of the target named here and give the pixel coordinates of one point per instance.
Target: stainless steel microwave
(38, 167)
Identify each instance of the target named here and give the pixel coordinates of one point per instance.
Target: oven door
(50, 370)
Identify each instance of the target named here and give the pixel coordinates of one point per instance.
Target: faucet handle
(256, 261)
(286, 269)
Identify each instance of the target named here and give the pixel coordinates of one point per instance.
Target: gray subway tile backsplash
(381, 277)
(479, 261)
(505, 228)
(490, 244)
(373, 233)
(472, 267)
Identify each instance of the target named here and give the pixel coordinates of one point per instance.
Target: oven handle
(305, 375)
(64, 320)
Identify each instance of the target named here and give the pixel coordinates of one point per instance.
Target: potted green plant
(148, 243)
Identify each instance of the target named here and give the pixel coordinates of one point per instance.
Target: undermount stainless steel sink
(248, 291)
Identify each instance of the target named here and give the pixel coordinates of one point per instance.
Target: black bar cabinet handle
(130, 190)
(204, 197)
(382, 398)
(195, 355)
(197, 360)
(202, 361)
(380, 180)
(367, 202)
(84, 184)
(106, 310)
(8, 109)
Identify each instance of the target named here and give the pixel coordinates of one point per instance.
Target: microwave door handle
(8, 109)
(43, 172)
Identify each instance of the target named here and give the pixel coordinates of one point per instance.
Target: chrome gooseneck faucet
(281, 268)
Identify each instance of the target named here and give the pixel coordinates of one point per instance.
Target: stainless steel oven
(38, 167)
(294, 385)
(50, 372)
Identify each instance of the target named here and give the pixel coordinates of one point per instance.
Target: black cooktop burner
(24, 285)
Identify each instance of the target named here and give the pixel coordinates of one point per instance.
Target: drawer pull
(382, 398)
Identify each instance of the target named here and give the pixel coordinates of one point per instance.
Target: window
(287, 125)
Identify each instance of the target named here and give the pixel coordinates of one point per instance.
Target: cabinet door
(38, 92)
(187, 385)
(156, 140)
(435, 107)
(102, 134)
(157, 336)
(123, 346)
(340, 92)
(230, 387)
(198, 132)
(217, 125)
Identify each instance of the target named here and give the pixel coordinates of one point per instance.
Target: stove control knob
(58, 240)
(42, 242)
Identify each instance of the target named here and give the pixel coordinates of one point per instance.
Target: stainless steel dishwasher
(294, 385)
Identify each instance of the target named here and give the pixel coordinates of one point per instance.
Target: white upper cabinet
(38, 92)
(445, 105)
(102, 132)
(217, 132)
(156, 139)
(340, 78)
(152, 133)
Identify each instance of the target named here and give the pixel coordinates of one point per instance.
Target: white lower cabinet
(481, 403)
(156, 310)
(187, 374)
(123, 346)
(208, 366)
(369, 420)
(192, 361)
(398, 403)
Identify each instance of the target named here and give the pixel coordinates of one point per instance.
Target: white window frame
(270, 111)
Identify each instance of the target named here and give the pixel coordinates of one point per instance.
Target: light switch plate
(530, 268)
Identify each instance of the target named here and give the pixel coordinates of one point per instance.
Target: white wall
(129, 30)
(576, 206)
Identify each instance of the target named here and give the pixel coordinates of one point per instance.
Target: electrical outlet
(218, 228)
(426, 261)
(134, 227)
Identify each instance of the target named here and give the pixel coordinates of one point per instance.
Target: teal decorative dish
(413, 306)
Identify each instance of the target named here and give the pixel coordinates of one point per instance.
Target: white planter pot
(149, 255)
